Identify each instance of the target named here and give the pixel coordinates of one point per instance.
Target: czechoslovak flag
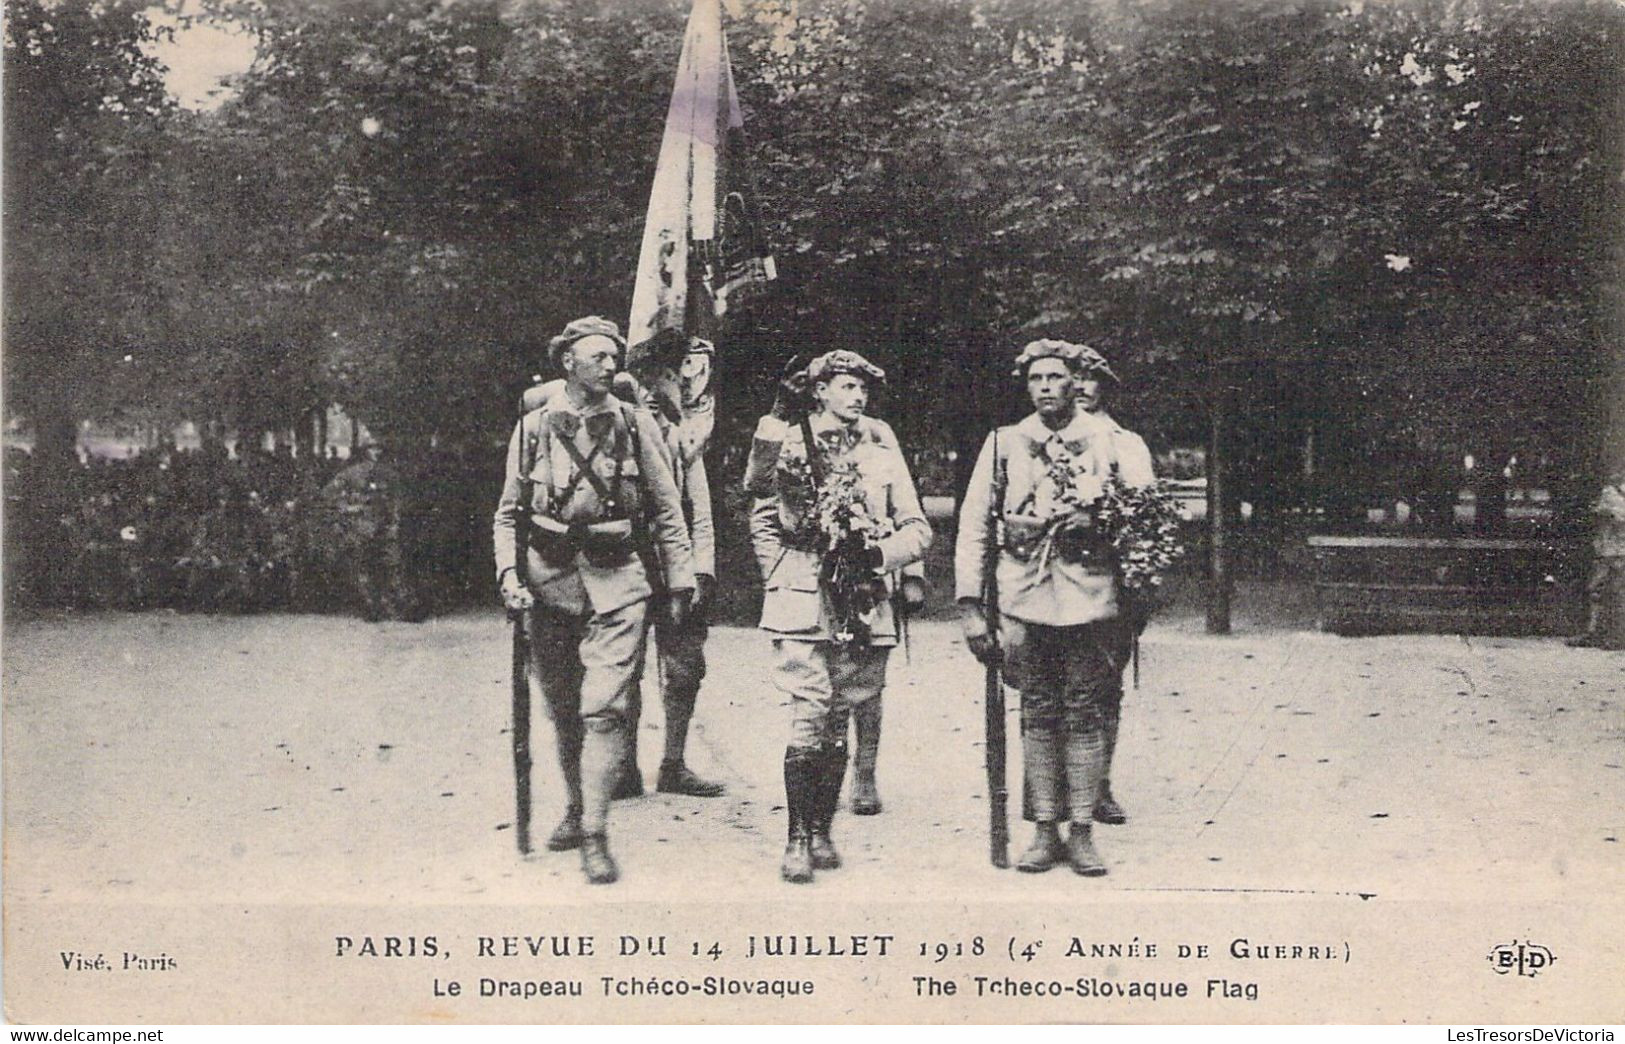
(702, 241)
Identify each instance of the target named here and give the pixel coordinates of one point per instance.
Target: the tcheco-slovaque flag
(703, 246)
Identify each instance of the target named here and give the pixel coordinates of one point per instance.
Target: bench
(1455, 585)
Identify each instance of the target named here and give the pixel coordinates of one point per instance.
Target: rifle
(993, 694)
(521, 733)
(521, 662)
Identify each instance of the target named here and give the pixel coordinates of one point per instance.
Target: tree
(86, 127)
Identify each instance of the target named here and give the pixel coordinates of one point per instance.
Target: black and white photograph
(814, 511)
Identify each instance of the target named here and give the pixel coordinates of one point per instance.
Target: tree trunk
(1611, 607)
(1609, 603)
(1219, 581)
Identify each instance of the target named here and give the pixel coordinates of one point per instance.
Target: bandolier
(588, 476)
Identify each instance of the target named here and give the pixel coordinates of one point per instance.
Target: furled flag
(702, 240)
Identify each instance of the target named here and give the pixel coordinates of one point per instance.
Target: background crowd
(205, 530)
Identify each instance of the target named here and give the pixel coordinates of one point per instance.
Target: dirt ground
(182, 758)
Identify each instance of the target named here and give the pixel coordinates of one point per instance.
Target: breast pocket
(791, 602)
(878, 491)
(795, 571)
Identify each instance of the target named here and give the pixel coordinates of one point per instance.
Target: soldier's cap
(580, 329)
(833, 364)
(1079, 358)
(669, 348)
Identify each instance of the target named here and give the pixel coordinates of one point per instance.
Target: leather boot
(1106, 808)
(603, 753)
(596, 862)
(1045, 852)
(567, 834)
(567, 735)
(1041, 767)
(866, 722)
(679, 697)
(629, 784)
(1085, 754)
(1080, 852)
(832, 770)
(676, 778)
(800, 785)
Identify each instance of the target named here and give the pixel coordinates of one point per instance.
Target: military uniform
(1065, 633)
(766, 444)
(823, 670)
(679, 651)
(592, 487)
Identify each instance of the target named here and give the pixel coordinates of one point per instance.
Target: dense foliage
(1387, 225)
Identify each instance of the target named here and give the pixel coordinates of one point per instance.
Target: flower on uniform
(566, 424)
(127, 534)
(840, 524)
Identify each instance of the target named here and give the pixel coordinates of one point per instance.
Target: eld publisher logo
(1525, 958)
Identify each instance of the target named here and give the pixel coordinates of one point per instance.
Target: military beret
(1080, 358)
(832, 364)
(668, 348)
(581, 329)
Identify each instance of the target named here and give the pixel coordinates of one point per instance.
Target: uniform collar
(560, 403)
(823, 421)
(1082, 426)
(823, 424)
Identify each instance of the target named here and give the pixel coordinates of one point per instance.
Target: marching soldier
(589, 486)
(1066, 628)
(792, 403)
(679, 652)
(826, 603)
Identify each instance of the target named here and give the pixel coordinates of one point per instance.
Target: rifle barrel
(521, 736)
(998, 797)
(998, 792)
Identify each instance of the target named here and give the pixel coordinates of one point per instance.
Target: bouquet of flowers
(1092, 519)
(1068, 501)
(839, 524)
(1142, 523)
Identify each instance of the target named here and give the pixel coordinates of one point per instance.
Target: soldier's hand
(913, 591)
(793, 399)
(982, 645)
(677, 608)
(705, 589)
(515, 595)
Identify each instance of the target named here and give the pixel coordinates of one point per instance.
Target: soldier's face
(662, 390)
(1051, 385)
(1090, 394)
(844, 396)
(591, 364)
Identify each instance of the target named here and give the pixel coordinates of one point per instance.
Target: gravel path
(174, 758)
